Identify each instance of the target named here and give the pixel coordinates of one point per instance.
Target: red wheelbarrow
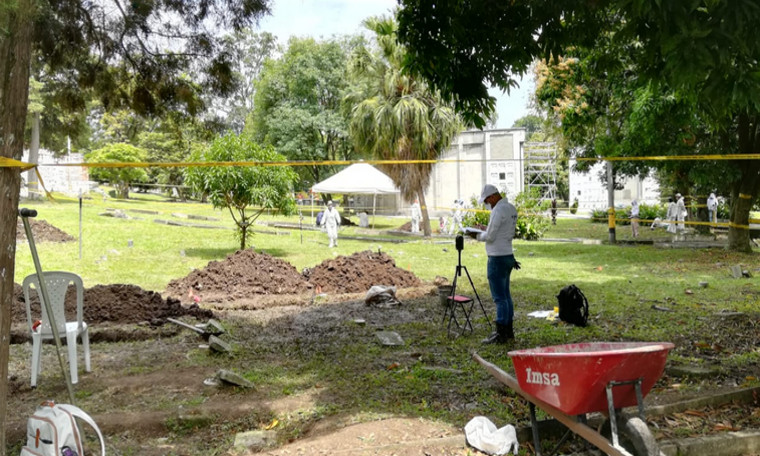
(570, 381)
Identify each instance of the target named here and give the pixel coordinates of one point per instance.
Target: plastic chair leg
(71, 343)
(36, 358)
(86, 348)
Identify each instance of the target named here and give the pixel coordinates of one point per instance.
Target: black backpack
(573, 306)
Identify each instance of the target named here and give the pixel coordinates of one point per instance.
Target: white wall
(592, 192)
(69, 180)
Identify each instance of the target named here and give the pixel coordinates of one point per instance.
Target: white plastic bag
(482, 434)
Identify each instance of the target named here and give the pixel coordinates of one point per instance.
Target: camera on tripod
(460, 242)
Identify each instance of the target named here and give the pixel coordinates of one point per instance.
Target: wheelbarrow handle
(24, 212)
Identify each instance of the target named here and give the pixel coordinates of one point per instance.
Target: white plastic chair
(57, 283)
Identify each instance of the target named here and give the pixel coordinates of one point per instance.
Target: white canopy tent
(359, 178)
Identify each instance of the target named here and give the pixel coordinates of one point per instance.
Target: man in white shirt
(501, 260)
(635, 218)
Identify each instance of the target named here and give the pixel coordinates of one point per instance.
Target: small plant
(531, 223)
(574, 207)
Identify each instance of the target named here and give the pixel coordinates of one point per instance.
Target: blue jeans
(499, 271)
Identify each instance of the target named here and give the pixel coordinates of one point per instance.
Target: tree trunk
(425, 217)
(738, 229)
(15, 59)
(745, 192)
(243, 234)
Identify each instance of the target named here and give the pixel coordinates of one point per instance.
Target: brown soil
(358, 272)
(246, 274)
(241, 275)
(42, 232)
(120, 304)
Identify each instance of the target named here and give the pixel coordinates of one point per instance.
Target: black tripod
(465, 303)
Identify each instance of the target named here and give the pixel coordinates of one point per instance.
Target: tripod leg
(485, 314)
(451, 304)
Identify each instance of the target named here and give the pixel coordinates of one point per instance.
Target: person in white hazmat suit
(680, 212)
(712, 208)
(671, 216)
(331, 222)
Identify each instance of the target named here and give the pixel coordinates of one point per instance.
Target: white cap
(330, 203)
(678, 195)
(488, 190)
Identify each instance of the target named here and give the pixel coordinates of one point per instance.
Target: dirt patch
(42, 232)
(240, 275)
(118, 303)
(246, 274)
(358, 272)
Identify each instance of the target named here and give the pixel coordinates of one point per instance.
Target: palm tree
(398, 117)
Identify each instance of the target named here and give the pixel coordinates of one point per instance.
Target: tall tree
(398, 116)
(298, 104)
(704, 49)
(249, 50)
(120, 50)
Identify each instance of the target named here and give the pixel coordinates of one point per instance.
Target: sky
(325, 18)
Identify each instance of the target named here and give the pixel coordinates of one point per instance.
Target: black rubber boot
(509, 332)
(500, 336)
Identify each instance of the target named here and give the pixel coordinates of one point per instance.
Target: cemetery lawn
(316, 369)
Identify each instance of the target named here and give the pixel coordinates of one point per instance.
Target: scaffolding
(541, 168)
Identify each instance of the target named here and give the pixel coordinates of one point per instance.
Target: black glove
(517, 265)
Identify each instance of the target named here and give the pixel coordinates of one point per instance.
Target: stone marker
(736, 271)
(218, 345)
(703, 284)
(179, 215)
(389, 338)
(214, 327)
(233, 378)
(253, 440)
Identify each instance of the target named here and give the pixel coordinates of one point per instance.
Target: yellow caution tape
(6, 162)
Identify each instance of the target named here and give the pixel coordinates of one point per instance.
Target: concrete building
(476, 158)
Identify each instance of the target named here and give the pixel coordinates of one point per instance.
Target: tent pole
(374, 200)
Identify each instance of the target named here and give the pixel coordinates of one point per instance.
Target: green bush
(574, 207)
(623, 215)
(531, 222)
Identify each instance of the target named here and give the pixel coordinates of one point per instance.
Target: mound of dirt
(117, 303)
(42, 232)
(358, 272)
(240, 275)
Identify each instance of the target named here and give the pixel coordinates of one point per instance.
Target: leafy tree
(249, 50)
(246, 191)
(703, 50)
(298, 104)
(531, 123)
(397, 116)
(121, 178)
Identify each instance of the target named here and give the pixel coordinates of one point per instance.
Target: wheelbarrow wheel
(638, 434)
(634, 435)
